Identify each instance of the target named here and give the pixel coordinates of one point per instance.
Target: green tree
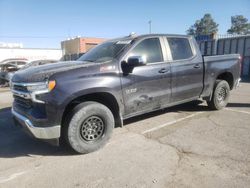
(239, 25)
(204, 26)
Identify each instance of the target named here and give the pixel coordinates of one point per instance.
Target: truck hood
(43, 72)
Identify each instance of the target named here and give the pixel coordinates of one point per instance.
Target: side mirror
(136, 61)
(133, 61)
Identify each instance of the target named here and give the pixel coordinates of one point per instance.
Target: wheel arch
(104, 98)
(228, 77)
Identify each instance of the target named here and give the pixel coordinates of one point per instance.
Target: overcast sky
(45, 23)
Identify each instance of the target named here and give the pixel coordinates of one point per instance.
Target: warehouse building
(73, 48)
(16, 50)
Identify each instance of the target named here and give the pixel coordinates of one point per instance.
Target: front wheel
(220, 95)
(89, 127)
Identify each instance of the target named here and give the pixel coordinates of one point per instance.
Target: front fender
(67, 91)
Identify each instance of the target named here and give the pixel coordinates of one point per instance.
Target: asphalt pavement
(183, 146)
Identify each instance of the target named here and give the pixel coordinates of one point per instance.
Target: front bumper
(38, 132)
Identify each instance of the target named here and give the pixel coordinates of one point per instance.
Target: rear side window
(21, 63)
(149, 49)
(12, 63)
(180, 48)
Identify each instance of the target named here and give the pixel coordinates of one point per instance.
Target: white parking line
(170, 123)
(240, 111)
(11, 177)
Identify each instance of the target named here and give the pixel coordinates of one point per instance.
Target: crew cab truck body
(82, 101)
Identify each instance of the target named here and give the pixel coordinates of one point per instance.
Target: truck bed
(215, 65)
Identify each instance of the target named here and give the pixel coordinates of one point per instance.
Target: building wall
(30, 53)
(88, 43)
(73, 48)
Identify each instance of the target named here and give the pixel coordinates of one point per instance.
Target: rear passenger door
(186, 69)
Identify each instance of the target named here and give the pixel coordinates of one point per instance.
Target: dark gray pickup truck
(81, 101)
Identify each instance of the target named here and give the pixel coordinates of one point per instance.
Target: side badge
(130, 91)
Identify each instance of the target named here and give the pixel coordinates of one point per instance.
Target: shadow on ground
(14, 142)
(243, 105)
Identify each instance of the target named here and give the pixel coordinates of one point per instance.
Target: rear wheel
(220, 95)
(89, 127)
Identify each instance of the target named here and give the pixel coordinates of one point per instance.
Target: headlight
(33, 90)
(51, 85)
(42, 86)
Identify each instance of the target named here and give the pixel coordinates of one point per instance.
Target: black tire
(89, 127)
(220, 95)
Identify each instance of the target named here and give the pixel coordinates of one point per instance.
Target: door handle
(163, 70)
(197, 66)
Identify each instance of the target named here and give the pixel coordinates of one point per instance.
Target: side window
(21, 63)
(180, 48)
(149, 49)
(12, 63)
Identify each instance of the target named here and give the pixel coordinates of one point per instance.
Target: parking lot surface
(183, 146)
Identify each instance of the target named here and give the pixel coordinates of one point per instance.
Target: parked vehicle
(18, 62)
(38, 63)
(6, 73)
(8, 68)
(82, 101)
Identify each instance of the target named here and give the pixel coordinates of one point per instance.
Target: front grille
(20, 88)
(20, 100)
(26, 103)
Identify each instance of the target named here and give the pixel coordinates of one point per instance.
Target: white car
(39, 62)
(18, 62)
(8, 67)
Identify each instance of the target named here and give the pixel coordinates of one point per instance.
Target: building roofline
(100, 38)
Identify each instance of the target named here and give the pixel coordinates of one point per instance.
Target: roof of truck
(134, 36)
(169, 35)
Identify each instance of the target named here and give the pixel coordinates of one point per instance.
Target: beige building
(75, 47)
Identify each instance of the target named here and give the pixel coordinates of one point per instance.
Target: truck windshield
(105, 52)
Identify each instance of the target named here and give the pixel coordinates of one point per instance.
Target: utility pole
(149, 22)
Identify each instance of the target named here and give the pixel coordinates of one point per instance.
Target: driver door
(148, 86)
